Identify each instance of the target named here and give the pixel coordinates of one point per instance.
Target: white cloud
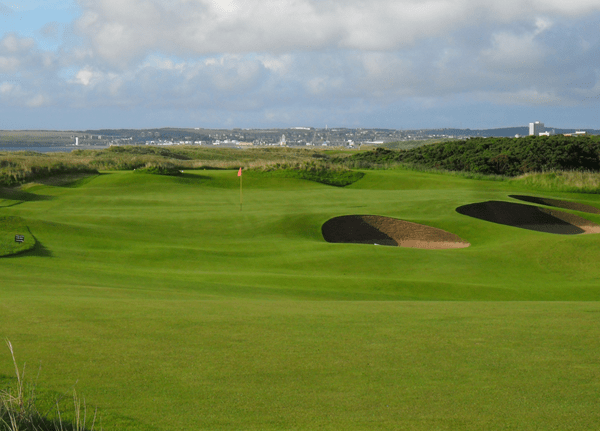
(13, 44)
(280, 58)
(8, 64)
(6, 88)
(84, 76)
(5, 10)
(121, 30)
(513, 51)
(37, 101)
(524, 97)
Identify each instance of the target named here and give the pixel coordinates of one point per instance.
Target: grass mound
(313, 171)
(11, 226)
(159, 169)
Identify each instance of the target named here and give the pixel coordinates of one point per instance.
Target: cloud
(9, 64)
(516, 51)
(5, 10)
(51, 30)
(12, 43)
(37, 101)
(84, 76)
(6, 88)
(130, 29)
(286, 59)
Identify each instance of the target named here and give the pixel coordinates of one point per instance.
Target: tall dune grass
(21, 168)
(562, 181)
(26, 166)
(19, 410)
(319, 171)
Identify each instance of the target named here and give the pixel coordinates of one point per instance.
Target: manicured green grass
(10, 228)
(174, 310)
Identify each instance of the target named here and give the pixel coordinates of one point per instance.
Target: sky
(398, 64)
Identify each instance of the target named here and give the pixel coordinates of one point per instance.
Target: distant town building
(536, 128)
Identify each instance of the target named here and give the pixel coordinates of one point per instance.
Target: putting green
(173, 309)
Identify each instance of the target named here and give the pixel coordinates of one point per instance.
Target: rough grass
(562, 181)
(25, 166)
(159, 169)
(19, 169)
(20, 408)
(320, 172)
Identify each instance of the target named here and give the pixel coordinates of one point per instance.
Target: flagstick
(240, 192)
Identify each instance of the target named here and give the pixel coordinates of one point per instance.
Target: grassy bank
(320, 172)
(10, 227)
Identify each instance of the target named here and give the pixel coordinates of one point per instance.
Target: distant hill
(502, 132)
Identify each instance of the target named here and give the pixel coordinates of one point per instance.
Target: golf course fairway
(169, 307)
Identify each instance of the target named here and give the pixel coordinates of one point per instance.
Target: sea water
(53, 149)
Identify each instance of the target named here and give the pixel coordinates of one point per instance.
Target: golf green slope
(175, 310)
(15, 237)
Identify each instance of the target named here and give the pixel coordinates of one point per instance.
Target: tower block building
(536, 128)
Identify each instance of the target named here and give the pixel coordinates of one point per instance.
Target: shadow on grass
(194, 177)
(353, 229)
(182, 177)
(16, 194)
(76, 181)
(520, 215)
(37, 250)
(5, 380)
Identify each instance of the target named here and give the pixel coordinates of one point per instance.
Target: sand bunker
(529, 217)
(370, 229)
(558, 203)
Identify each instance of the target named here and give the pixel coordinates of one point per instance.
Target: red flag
(240, 172)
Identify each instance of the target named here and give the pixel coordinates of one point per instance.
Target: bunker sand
(529, 217)
(372, 229)
(558, 203)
